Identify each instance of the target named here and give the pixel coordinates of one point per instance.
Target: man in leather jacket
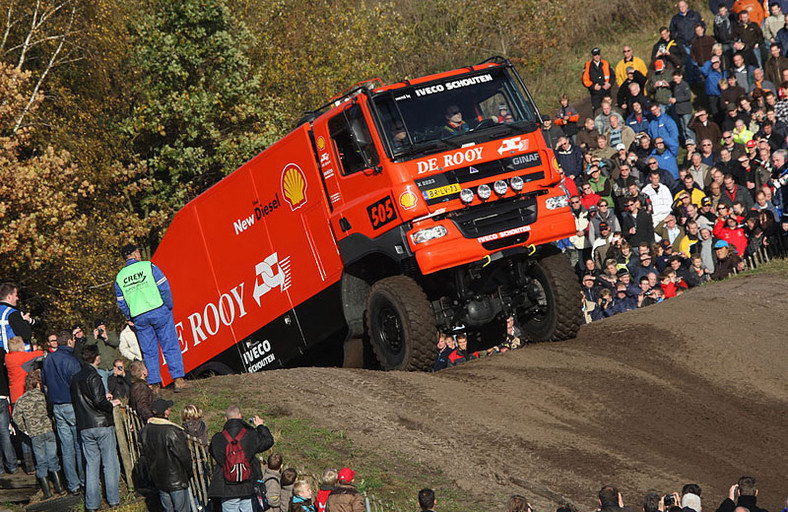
(169, 459)
(96, 431)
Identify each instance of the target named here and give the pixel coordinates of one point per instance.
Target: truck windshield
(450, 112)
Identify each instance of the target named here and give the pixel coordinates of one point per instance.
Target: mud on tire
(400, 324)
(561, 317)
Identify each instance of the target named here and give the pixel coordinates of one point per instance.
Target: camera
(668, 500)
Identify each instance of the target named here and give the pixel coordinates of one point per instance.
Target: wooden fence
(128, 426)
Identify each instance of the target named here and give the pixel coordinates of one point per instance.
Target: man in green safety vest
(144, 296)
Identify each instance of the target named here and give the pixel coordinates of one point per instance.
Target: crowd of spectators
(678, 176)
(57, 400)
(742, 497)
(453, 348)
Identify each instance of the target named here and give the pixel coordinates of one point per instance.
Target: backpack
(261, 499)
(236, 467)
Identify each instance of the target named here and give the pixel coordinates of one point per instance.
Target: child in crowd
(302, 497)
(328, 480)
(289, 477)
(193, 423)
(30, 414)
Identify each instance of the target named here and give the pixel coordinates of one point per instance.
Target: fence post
(119, 416)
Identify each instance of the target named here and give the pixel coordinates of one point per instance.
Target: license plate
(442, 191)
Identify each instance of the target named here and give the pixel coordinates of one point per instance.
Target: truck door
(358, 189)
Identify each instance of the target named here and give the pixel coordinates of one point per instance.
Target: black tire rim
(542, 301)
(390, 329)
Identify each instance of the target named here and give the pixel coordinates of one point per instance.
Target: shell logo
(407, 199)
(294, 186)
(321, 143)
(555, 164)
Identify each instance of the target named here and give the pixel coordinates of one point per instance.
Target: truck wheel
(211, 369)
(559, 316)
(401, 324)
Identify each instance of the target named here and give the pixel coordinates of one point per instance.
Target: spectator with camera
(107, 342)
(742, 494)
(236, 489)
(119, 383)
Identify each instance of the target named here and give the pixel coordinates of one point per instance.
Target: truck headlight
(425, 235)
(466, 195)
(553, 203)
(500, 187)
(516, 183)
(484, 192)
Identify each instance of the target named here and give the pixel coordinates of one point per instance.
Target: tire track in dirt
(692, 390)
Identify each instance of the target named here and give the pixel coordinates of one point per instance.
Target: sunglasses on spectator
(727, 136)
(707, 144)
(575, 202)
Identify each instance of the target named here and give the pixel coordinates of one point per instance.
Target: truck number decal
(382, 212)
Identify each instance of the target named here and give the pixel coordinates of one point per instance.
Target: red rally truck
(379, 216)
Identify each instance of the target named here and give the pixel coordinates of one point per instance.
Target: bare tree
(43, 34)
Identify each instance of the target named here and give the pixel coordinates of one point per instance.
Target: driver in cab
(454, 123)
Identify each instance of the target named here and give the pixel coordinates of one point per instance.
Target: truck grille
(486, 219)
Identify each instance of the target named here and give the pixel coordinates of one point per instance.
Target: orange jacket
(754, 6)
(587, 81)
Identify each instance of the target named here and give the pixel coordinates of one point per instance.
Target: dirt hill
(692, 390)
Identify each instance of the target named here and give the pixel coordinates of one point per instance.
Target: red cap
(751, 143)
(346, 475)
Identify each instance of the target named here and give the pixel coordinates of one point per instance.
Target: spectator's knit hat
(706, 201)
(622, 272)
(127, 249)
(596, 51)
(603, 225)
(97, 322)
(692, 501)
(346, 475)
(719, 244)
(630, 69)
(665, 243)
(730, 108)
(160, 406)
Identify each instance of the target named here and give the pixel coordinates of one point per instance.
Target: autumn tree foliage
(40, 191)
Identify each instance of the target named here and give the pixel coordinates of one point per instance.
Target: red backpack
(236, 467)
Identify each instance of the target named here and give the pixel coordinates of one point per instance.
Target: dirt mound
(692, 390)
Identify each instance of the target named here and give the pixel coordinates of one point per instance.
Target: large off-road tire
(401, 324)
(211, 369)
(559, 317)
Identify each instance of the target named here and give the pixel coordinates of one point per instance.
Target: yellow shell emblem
(321, 143)
(407, 199)
(294, 186)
